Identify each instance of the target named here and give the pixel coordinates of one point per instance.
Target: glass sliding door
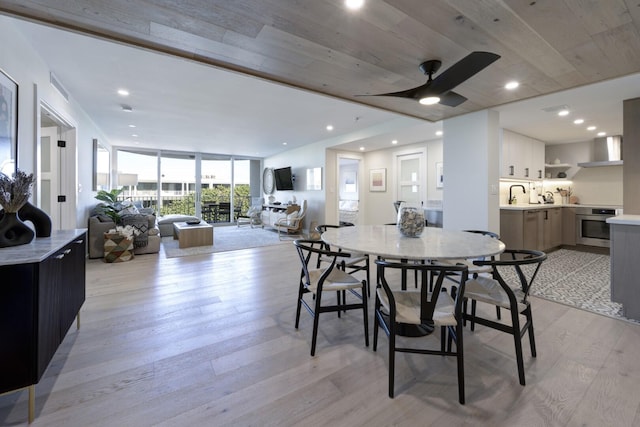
(216, 188)
(178, 178)
(194, 184)
(137, 175)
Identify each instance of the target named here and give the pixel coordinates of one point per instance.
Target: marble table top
(433, 243)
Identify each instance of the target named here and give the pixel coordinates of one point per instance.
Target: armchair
(292, 222)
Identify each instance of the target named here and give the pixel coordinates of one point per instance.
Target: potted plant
(110, 205)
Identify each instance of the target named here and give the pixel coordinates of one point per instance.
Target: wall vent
(56, 84)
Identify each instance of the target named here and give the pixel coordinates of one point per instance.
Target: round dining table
(386, 241)
(433, 243)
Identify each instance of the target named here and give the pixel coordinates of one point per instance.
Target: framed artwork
(314, 179)
(8, 124)
(378, 179)
(439, 175)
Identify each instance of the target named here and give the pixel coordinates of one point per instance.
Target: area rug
(578, 279)
(229, 238)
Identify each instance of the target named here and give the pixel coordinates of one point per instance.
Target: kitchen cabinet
(521, 157)
(625, 269)
(539, 228)
(569, 226)
(43, 288)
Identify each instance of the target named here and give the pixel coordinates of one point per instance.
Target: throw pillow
(140, 223)
(291, 218)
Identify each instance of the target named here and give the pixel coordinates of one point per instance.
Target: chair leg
(460, 358)
(316, 318)
(376, 323)
(392, 359)
(498, 313)
(473, 314)
(300, 293)
(365, 313)
(517, 339)
(339, 302)
(532, 339)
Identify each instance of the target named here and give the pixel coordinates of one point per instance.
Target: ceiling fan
(439, 90)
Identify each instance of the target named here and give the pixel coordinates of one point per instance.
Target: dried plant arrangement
(15, 192)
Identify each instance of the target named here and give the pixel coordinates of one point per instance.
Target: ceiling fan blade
(451, 99)
(409, 93)
(461, 71)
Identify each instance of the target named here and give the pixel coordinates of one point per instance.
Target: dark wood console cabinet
(42, 290)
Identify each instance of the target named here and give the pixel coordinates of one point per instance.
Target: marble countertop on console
(624, 220)
(39, 249)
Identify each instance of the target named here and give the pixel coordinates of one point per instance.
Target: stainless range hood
(605, 151)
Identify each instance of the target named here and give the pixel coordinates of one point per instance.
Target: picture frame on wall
(439, 175)
(8, 124)
(378, 179)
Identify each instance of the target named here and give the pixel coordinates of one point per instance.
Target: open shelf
(557, 166)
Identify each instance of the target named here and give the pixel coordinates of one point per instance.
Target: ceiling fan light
(354, 4)
(429, 100)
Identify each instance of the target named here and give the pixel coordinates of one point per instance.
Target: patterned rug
(228, 238)
(578, 279)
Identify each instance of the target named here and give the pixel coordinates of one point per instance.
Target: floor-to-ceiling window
(190, 183)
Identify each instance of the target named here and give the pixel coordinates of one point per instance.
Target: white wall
(310, 156)
(22, 63)
(471, 168)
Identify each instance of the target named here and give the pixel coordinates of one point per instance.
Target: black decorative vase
(13, 231)
(39, 218)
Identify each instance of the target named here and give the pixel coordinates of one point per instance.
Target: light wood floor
(209, 340)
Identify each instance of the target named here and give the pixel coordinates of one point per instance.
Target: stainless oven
(591, 226)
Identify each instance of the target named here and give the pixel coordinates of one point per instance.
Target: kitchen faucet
(512, 197)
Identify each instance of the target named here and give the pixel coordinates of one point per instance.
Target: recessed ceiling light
(284, 143)
(135, 135)
(361, 148)
(394, 142)
(592, 128)
(511, 85)
(354, 4)
(132, 126)
(329, 128)
(562, 113)
(429, 100)
(578, 121)
(602, 133)
(123, 92)
(439, 133)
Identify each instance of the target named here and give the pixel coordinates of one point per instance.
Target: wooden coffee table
(193, 235)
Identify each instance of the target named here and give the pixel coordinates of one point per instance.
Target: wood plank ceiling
(547, 45)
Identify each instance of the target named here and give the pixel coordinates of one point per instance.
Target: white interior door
(411, 177)
(57, 174)
(350, 184)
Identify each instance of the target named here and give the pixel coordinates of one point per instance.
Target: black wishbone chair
(356, 262)
(397, 309)
(508, 287)
(318, 281)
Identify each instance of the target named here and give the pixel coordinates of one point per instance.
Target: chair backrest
(428, 298)
(306, 248)
(485, 233)
(510, 269)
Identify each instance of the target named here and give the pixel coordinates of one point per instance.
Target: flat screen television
(283, 178)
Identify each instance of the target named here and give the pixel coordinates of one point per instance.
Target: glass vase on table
(410, 219)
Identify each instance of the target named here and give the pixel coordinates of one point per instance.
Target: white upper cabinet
(521, 157)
